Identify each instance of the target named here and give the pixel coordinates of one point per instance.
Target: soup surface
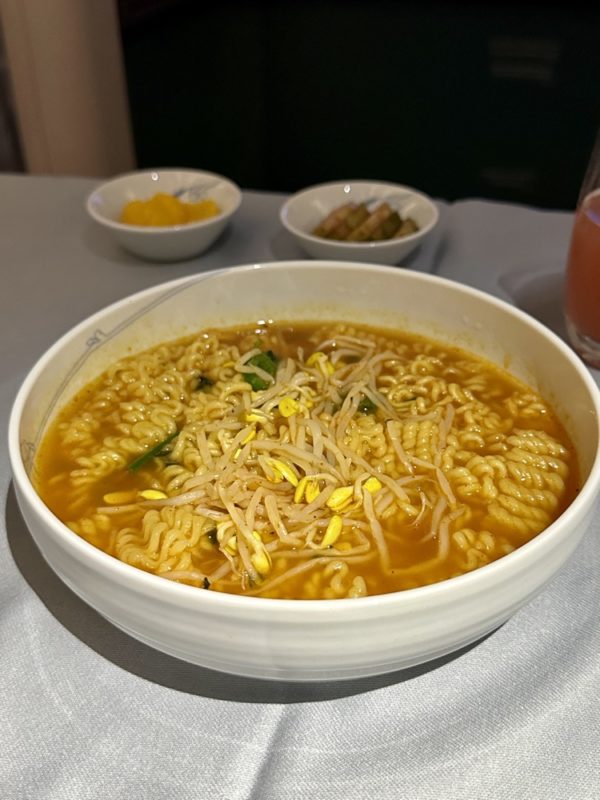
(307, 461)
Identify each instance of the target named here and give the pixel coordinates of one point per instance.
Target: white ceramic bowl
(303, 211)
(298, 639)
(172, 243)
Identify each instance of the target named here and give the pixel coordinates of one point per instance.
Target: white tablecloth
(87, 712)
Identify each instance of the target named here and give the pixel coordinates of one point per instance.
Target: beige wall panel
(66, 67)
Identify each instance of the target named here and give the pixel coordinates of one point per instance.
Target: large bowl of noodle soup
(250, 537)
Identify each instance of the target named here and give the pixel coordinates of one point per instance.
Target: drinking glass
(582, 285)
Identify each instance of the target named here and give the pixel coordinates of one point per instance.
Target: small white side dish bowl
(304, 640)
(170, 243)
(303, 211)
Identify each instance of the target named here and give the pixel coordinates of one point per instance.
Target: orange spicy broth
(86, 456)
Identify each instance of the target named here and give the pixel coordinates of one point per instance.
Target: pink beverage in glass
(582, 290)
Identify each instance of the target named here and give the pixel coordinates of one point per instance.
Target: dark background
(459, 99)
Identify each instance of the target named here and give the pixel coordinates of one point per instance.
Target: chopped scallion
(266, 361)
(157, 450)
(203, 382)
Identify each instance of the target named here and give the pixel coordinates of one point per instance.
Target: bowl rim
(356, 246)
(149, 583)
(157, 230)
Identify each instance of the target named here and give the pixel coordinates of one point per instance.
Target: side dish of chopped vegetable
(361, 223)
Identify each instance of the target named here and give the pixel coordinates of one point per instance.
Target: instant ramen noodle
(306, 461)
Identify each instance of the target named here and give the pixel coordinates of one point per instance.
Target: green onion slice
(152, 453)
(266, 361)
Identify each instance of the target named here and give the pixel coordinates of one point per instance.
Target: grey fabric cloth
(87, 712)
